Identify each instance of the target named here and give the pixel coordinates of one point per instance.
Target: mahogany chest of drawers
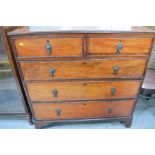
(81, 75)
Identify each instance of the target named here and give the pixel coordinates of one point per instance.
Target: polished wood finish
(77, 110)
(61, 46)
(82, 90)
(128, 68)
(83, 85)
(108, 46)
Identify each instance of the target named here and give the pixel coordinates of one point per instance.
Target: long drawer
(79, 110)
(82, 90)
(121, 46)
(47, 46)
(49, 70)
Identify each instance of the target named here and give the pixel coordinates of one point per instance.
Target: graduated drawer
(50, 70)
(49, 46)
(121, 46)
(79, 110)
(86, 90)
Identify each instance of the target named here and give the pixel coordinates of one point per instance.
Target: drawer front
(121, 46)
(61, 91)
(83, 69)
(49, 47)
(60, 111)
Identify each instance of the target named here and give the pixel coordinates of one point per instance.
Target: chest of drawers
(81, 75)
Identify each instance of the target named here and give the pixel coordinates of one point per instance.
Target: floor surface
(143, 118)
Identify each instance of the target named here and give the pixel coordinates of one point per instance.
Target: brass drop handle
(55, 93)
(52, 72)
(113, 91)
(116, 69)
(110, 110)
(48, 47)
(119, 47)
(58, 111)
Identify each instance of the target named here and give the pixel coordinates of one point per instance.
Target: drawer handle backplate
(55, 93)
(116, 69)
(119, 47)
(58, 112)
(113, 91)
(48, 47)
(52, 72)
(110, 110)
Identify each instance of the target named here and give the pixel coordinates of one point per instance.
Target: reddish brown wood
(128, 68)
(60, 46)
(85, 45)
(82, 90)
(77, 110)
(108, 46)
(84, 61)
(122, 34)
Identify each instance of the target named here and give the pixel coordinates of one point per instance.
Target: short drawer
(120, 46)
(79, 110)
(82, 90)
(49, 47)
(43, 70)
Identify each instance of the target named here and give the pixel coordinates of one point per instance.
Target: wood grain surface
(128, 68)
(107, 46)
(82, 90)
(79, 110)
(83, 84)
(60, 46)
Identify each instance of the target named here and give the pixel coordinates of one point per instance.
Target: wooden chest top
(82, 29)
